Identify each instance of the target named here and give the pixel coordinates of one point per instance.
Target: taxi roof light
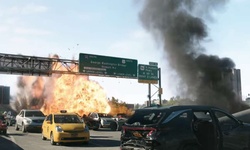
(63, 111)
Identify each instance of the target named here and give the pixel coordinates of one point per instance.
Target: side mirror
(48, 122)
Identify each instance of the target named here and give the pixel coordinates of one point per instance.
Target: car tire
(4, 132)
(43, 137)
(113, 126)
(23, 128)
(86, 142)
(191, 147)
(96, 126)
(52, 142)
(16, 127)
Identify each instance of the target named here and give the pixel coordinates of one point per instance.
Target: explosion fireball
(74, 93)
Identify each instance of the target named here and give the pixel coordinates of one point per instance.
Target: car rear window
(146, 117)
(67, 119)
(105, 115)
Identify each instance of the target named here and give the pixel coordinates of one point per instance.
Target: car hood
(72, 126)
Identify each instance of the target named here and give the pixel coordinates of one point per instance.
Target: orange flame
(74, 93)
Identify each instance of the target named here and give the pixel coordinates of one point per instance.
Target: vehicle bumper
(131, 144)
(3, 127)
(33, 127)
(71, 137)
(106, 125)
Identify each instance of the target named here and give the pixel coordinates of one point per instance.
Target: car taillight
(151, 134)
(123, 131)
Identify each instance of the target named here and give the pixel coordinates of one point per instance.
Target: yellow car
(65, 127)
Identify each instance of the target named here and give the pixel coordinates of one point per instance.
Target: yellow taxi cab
(65, 127)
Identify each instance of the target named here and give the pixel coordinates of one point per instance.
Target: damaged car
(96, 121)
(184, 128)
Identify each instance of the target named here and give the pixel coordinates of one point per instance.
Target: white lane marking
(11, 137)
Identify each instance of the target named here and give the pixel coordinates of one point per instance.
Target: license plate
(137, 134)
(73, 134)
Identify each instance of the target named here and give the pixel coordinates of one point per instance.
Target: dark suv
(184, 128)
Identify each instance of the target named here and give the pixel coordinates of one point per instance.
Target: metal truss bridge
(36, 66)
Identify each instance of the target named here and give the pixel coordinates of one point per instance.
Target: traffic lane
(103, 140)
(7, 143)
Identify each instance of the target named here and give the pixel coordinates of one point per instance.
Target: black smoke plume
(180, 26)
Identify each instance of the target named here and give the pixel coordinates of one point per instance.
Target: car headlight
(27, 121)
(59, 129)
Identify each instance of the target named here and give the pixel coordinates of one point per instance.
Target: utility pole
(160, 89)
(149, 94)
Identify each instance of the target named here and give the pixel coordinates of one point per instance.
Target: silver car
(29, 120)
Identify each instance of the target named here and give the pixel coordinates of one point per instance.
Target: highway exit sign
(147, 74)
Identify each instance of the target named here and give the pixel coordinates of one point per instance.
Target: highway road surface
(99, 140)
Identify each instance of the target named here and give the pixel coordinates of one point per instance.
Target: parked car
(29, 120)
(3, 126)
(100, 120)
(184, 128)
(120, 118)
(65, 127)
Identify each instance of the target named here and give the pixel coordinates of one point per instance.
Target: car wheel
(191, 147)
(52, 142)
(86, 142)
(23, 128)
(43, 137)
(113, 126)
(4, 132)
(96, 126)
(16, 127)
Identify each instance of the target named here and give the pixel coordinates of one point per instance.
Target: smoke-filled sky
(131, 29)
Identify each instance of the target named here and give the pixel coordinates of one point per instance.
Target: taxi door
(47, 126)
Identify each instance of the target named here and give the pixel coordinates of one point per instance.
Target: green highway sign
(147, 74)
(153, 63)
(98, 65)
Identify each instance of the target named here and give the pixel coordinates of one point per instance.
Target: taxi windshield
(67, 119)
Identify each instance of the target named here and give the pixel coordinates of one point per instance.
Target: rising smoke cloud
(180, 26)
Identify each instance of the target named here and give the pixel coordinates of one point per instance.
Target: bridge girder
(37, 66)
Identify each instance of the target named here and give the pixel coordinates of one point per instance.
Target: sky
(112, 28)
